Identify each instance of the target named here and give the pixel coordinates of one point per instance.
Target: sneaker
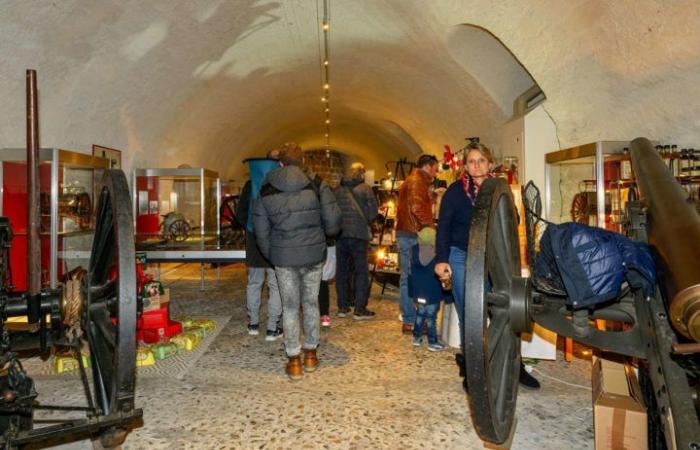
(325, 321)
(365, 314)
(417, 342)
(436, 347)
(343, 312)
(253, 329)
(273, 335)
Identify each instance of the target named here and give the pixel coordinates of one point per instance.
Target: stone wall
(328, 165)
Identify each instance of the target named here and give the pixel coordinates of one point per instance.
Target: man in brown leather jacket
(415, 212)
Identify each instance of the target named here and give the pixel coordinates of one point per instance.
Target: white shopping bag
(329, 266)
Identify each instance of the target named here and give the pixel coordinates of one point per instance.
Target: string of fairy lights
(324, 53)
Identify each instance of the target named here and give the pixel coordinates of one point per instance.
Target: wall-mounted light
(326, 26)
(326, 86)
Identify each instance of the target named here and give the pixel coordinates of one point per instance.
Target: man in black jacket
(358, 207)
(257, 266)
(292, 218)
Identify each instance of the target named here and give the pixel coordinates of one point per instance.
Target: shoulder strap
(355, 204)
(268, 189)
(315, 185)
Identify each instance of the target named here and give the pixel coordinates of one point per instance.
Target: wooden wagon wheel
(108, 318)
(580, 208)
(495, 311)
(179, 230)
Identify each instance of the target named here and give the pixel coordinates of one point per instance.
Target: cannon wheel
(492, 348)
(179, 230)
(109, 312)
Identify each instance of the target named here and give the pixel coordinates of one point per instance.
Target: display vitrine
(67, 188)
(176, 207)
(584, 184)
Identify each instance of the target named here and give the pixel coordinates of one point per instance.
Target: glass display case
(584, 184)
(176, 208)
(67, 190)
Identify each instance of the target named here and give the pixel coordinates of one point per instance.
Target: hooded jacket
(590, 263)
(292, 217)
(354, 225)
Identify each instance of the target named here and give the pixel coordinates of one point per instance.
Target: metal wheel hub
(519, 304)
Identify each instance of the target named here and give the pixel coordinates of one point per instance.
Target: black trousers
(323, 298)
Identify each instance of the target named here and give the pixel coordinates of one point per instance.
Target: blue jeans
(457, 260)
(299, 290)
(408, 312)
(427, 314)
(355, 250)
(256, 277)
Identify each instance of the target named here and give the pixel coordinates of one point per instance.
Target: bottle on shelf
(675, 161)
(683, 162)
(626, 165)
(666, 155)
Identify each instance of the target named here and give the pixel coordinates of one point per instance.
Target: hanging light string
(325, 61)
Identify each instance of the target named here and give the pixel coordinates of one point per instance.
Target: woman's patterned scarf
(471, 187)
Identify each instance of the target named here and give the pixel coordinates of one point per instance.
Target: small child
(425, 289)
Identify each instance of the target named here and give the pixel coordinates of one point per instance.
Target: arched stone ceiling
(211, 82)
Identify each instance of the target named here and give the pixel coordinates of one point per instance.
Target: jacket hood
(288, 179)
(350, 182)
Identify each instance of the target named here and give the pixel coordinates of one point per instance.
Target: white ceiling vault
(210, 82)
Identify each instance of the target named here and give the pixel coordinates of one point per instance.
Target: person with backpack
(292, 217)
(358, 208)
(257, 266)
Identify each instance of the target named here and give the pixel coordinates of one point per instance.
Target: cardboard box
(619, 415)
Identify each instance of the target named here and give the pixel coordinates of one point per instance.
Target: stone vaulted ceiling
(210, 82)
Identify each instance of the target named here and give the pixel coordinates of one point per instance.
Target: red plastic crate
(157, 318)
(153, 335)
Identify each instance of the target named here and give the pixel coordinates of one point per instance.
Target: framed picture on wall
(114, 155)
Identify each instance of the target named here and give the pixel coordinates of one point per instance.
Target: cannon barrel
(674, 231)
(33, 217)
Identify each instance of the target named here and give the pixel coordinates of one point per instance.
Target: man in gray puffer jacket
(358, 207)
(292, 217)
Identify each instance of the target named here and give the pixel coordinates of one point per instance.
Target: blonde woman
(453, 233)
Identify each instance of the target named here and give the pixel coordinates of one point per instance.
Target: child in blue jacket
(426, 290)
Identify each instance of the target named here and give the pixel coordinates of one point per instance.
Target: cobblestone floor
(372, 390)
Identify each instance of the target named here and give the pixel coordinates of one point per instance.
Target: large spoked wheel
(109, 311)
(495, 308)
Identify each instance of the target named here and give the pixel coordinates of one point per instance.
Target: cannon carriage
(660, 331)
(97, 307)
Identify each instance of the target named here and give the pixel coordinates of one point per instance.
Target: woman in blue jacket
(454, 221)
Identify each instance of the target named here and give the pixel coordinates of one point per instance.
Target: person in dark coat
(453, 235)
(292, 217)
(358, 208)
(258, 267)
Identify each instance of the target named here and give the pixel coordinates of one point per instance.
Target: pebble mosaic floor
(373, 390)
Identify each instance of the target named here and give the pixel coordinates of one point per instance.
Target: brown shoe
(294, 369)
(407, 328)
(310, 360)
